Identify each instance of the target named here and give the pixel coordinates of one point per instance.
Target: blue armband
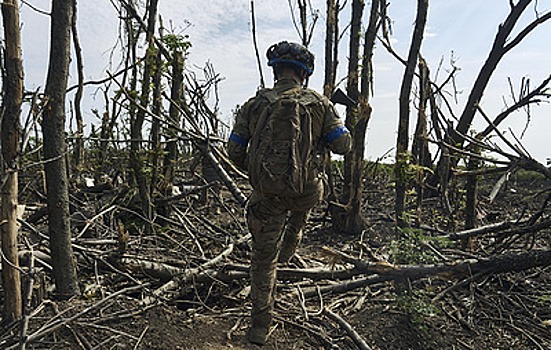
(239, 140)
(336, 133)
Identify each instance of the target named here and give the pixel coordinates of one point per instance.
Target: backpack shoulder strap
(308, 97)
(268, 94)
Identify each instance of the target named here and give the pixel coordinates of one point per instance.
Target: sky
(220, 31)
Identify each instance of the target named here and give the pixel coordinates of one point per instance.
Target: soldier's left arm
(335, 135)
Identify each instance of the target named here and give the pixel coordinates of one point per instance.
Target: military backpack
(282, 144)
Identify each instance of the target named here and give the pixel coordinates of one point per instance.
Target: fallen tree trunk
(501, 229)
(495, 264)
(345, 286)
(384, 271)
(226, 273)
(478, 231)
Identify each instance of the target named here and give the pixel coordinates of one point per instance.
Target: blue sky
(220, 33)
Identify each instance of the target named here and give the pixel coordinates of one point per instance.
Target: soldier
(276, 220)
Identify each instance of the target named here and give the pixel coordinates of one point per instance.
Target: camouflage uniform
(267, 216)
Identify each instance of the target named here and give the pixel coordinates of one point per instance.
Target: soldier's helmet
(291, 53)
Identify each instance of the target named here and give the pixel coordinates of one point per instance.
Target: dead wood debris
(196, 261)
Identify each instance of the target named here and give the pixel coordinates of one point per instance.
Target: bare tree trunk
(156, 125)
(177, 96)
(303, 22)
(12, 99)
(177, 103)
(420, 148)
(53, 129)
(79, 141)
(355, 222)
(255, 43)
(331, 49)
(403, 123)
(137, 163)
(330, 44)
(340, 214)
(358, 117)
(129, 76)
(105, 134)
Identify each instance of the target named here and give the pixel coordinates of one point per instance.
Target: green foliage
(545, 300)
(152, 52)
(411, 247)
(177, 42)
(417, 306)
(410, 171)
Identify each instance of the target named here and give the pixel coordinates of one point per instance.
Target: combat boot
(260, 327)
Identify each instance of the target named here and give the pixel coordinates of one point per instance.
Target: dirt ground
(504, 311)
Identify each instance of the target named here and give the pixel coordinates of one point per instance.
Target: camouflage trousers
(267, 218)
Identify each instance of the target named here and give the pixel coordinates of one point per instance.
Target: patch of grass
(417, 306)
(545, 300)
(412, 247)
